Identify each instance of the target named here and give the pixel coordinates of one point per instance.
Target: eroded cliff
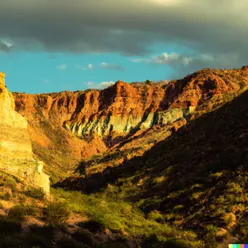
(16, 155)
(69, 126)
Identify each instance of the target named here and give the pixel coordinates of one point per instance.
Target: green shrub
(93, 226)
(156, 216)
(210, 237)
(18, 212)
(36, 193)
(56, 214)
(6, 196)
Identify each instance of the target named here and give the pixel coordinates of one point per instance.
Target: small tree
(148, 82)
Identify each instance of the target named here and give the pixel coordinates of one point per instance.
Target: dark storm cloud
(219, 28)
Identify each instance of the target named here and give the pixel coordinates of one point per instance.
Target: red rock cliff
(75, 125)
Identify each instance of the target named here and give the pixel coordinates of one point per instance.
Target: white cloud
(104, 85)
(62, 67)
(166, 58)
(89, 67)
(111, 66)
(89, 83)
(101, 85)
(46, 81)
(103, 65)
(174, 59)
(186, 60)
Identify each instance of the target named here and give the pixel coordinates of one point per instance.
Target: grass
(56, 214)
(102, 213)
(19, 212)
(204, 185)
(36, 193)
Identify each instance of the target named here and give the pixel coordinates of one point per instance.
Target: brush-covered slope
(69, 126)
(16, 155)
(195, 179)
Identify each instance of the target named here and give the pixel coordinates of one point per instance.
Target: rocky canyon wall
(68, 126)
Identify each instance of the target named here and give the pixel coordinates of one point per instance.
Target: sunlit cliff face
(2, 76)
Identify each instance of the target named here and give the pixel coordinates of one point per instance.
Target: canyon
(67, 127)
(167, 155)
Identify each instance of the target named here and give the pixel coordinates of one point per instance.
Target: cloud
(130, 28)
(5, 46)
(89, 67)
(183, 64)
(103, 65)
(167, 2)
(111, 66)
(173, 59)
(62, 67)
(52, 56)
(104, 85)
(101, 85)
(45, 81)
(89, 83)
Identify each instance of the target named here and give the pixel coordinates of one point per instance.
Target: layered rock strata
(16, 155)
(76, 125)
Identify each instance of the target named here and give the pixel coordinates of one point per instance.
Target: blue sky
(51, 46)
(36, 72)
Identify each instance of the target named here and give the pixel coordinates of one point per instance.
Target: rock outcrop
(69, 126)
(16, 155)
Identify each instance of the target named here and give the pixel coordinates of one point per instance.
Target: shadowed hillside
(197, 178)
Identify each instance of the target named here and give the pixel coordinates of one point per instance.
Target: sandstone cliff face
(68, 126)
(16, 155)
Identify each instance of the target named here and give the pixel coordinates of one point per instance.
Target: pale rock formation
(122, 125)
(16, 155)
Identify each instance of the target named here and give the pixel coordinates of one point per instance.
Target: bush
(56, 214)
(6, 196)
(18, 213)
(156, 216)
(36, 193)
(36, 241)
(85, 237)
(67, 242)
(93, 226)
(9, 226)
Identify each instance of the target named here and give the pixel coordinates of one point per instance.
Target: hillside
(140, 165)
(195, 179)
(67, 127)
